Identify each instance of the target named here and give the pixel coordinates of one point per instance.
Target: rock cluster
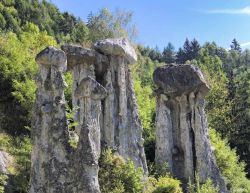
(182, 139)
(107, 115)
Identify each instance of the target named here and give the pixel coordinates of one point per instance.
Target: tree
(155, 54)
(195, 48)
(235, 46)
(110, 25)
(180, 56)
(229, 164)
(168, 54)
(217, 105)
(189, 51)
(240, 133)
(17, 76)
(80, 33)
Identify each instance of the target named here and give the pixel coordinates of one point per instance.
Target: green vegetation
(72, 124)
(207, 187)
(17, 74)
(166, 184)
(3, 182)
(20, 148)
(118, 176)
(230, 166)
(28, 26)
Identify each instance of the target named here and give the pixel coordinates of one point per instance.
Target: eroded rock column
(83, 63)
(49, 157)
(87, 94)
(122, 129)
(182, 139)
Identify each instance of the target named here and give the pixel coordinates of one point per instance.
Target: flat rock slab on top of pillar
(52, 56)
(77, 54)
(175, 80)
(117, 47)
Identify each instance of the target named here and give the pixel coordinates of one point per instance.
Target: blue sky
(163, 21)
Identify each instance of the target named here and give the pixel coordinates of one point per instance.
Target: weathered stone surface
(90, 94)
(52, 56)
(181, 127)
(107, 114)
(119, 122)
(122, 128)
(87, 94)
(179, 79)
(6, 161)
(117, 47)
(77, 54)
(49, 134)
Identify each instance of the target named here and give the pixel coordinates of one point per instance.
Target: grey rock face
(87, 94)
(6, 160)
(117, 47)
(90, 94)
(175, 80)
(119, 122)
(107, 115)
(181, 127)
(122, 128)
(50, 142)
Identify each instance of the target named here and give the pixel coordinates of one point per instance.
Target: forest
(28, 26)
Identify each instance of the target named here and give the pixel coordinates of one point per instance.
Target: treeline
(188, 51)
(64, 27)
(28, 26)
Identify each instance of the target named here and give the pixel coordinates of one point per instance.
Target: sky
(162, 21)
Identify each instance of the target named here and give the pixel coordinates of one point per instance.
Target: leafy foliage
(207, 187)
(110, 25)
(189, 51)
(3, 182)
(17, 72)
(20, 149)
(16, 13)
(229, 164)
(118, 176)
(168, 54)
(218, 107)
(167, 185)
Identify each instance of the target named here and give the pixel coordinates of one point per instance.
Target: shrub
(207, 187)
(167, 184)
(230, 166)
(3, 182)
(118, 176)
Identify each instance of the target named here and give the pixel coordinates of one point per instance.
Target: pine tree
(180, 56)
(195, 47)
(235, 46)
(189, 51)
(168, 54)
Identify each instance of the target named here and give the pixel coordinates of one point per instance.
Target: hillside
(28, 26)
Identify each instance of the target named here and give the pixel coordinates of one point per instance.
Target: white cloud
(245, 44)
(243, 11)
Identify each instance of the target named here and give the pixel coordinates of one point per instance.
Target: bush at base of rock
(118, 176)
